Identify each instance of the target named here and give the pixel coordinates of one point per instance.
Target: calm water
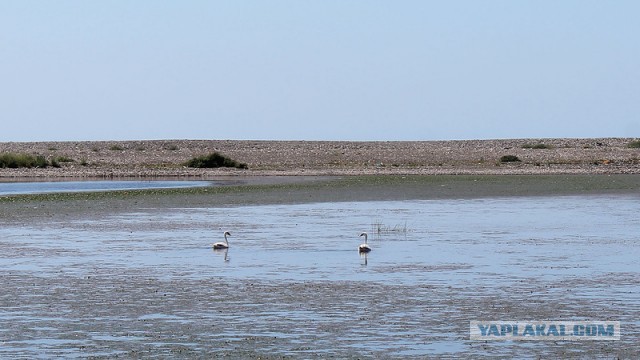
(456, 253)
(43, 187)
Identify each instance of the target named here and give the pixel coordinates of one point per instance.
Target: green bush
(14, 161)
(215, 160)
(634, 144)
(55, 162)
(536, 146)
(63, 159)
(509, 158)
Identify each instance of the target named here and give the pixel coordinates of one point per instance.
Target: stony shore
(165, 158)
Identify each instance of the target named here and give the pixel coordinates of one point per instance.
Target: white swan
(364, 248)
(222, 245)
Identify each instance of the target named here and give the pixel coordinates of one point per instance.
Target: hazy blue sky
(318, 70)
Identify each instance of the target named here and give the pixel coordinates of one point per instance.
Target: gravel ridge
(166, 158)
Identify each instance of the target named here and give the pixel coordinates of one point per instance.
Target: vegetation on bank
(215, 160)
(14, 161)
(536, 146)
(509, 158)
(634, 144)
(212, 160)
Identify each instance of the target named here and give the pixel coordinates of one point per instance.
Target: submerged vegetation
(356, 188)
(215, 160)
(380, 228)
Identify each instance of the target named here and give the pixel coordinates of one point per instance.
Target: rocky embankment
(162, 158)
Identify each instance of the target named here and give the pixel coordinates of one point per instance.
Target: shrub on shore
(55, 162)
(536, 146)
(14, 161)
(634, 144)
(509, 158)
(215, 160)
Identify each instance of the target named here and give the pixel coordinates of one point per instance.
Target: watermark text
(544, 330)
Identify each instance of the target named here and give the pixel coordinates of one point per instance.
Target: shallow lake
(292, 282)
(43, 187)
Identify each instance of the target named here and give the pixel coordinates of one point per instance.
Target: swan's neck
(225, 239)
(365, 238)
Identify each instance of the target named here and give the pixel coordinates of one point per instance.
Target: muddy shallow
(144, 282)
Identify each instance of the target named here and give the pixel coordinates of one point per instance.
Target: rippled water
(435, 266)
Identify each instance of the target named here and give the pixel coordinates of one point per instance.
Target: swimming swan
(364, 248)
(222, 245)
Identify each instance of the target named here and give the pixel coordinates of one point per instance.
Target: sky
(73, 70)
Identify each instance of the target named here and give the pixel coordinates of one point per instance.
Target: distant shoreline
(166, 158)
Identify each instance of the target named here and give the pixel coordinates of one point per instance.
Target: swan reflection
(364, 255)
(221, 251)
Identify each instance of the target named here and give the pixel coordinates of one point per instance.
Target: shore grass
(536, 146)
(15, 161)
(634, 144)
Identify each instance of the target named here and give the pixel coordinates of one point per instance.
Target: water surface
(292, 282)
(44, 187)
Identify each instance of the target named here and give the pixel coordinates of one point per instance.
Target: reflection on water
(43, 187)
(224, 252)
(364, 256)
(435, 265)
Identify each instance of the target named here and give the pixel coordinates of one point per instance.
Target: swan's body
(222, 245)
(364, 248)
